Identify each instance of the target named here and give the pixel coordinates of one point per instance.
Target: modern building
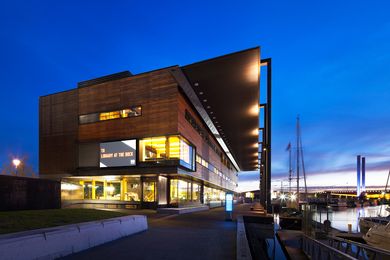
(171, 137)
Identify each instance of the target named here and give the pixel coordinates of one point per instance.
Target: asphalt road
(199, 235)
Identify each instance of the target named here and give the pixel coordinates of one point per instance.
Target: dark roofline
(219, 57)
(99, 80)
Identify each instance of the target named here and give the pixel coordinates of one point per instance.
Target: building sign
(116, 154)
(229, 202)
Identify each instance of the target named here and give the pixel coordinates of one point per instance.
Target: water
(340, 218)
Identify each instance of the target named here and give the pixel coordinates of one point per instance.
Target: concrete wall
(19, 193)
(61, 241)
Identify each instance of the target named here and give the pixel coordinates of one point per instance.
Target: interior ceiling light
(204, 100)
(196, 84)
(201, 93)
(208, 107)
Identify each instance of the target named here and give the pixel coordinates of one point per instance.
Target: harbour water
(341, 217)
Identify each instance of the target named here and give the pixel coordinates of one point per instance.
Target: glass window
(131, 112)
(88, 190)
(162, 190)
(187, 155)
(198, 159)
(133, 189)
(174, 192)
(149, 191)
(184, 191)
(71, 190)
(174, 147)
(152, 149)
(90, 118)
(195, 192)
(99, 190)
(108, 115)
(167, 148)
(207, 193)
(205, 163)
(113, 190)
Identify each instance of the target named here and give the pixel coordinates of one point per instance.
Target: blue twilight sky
(331, 65)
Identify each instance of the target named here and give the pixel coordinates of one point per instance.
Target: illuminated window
(195, 192)
(167, 148)
(113, 190)
(149, 191)
(133, 189)
(108, 115)
(198, 159)
(184, 191)
(131, 112)
(174, 192)
(205, 163)
(174, 147)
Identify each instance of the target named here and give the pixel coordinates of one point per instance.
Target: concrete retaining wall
(243, 251)
(56, 242)
(182, 210)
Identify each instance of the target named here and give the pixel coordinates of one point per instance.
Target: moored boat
(365, 223)
(379, 236)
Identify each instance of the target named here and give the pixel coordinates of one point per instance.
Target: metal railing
(358, 250)
(320, 251)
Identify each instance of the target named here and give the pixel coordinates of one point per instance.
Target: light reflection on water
(340, 218)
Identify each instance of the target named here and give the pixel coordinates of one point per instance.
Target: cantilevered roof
(228, 89)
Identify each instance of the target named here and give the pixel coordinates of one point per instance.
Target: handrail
(314, 249)
(378, 253)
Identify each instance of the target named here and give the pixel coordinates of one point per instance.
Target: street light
(16, 162)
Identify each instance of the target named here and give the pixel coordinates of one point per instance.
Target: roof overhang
(225, 92)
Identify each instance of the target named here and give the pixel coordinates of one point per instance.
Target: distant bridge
(342, 191)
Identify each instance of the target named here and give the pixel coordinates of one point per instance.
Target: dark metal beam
(265, 171)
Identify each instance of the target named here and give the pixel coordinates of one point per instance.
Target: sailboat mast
(298, 160)
(290, 169)
(303, 162)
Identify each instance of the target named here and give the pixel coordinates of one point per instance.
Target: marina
(340, 218)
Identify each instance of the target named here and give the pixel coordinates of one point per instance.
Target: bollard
(349, 228)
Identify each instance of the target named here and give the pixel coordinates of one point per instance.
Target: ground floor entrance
(140, 191)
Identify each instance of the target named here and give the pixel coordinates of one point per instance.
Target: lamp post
(16, 162)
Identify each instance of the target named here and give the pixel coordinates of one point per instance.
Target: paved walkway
(199, 235)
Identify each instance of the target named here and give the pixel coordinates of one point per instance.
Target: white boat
(368, 222)
(379, 236)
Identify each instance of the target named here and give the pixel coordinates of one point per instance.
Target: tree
(24, 169)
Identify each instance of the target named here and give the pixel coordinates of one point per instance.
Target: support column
(105, 190)
(123, 189)
(82, 184)
(265, 168)
(93, 190)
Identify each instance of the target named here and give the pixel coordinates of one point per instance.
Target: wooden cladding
(156, 92)
(58, 124)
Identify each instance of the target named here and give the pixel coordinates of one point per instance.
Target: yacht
(379, 236)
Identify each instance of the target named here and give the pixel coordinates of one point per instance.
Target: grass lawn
(15, 221)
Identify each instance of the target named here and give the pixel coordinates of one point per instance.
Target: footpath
(197, 235)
